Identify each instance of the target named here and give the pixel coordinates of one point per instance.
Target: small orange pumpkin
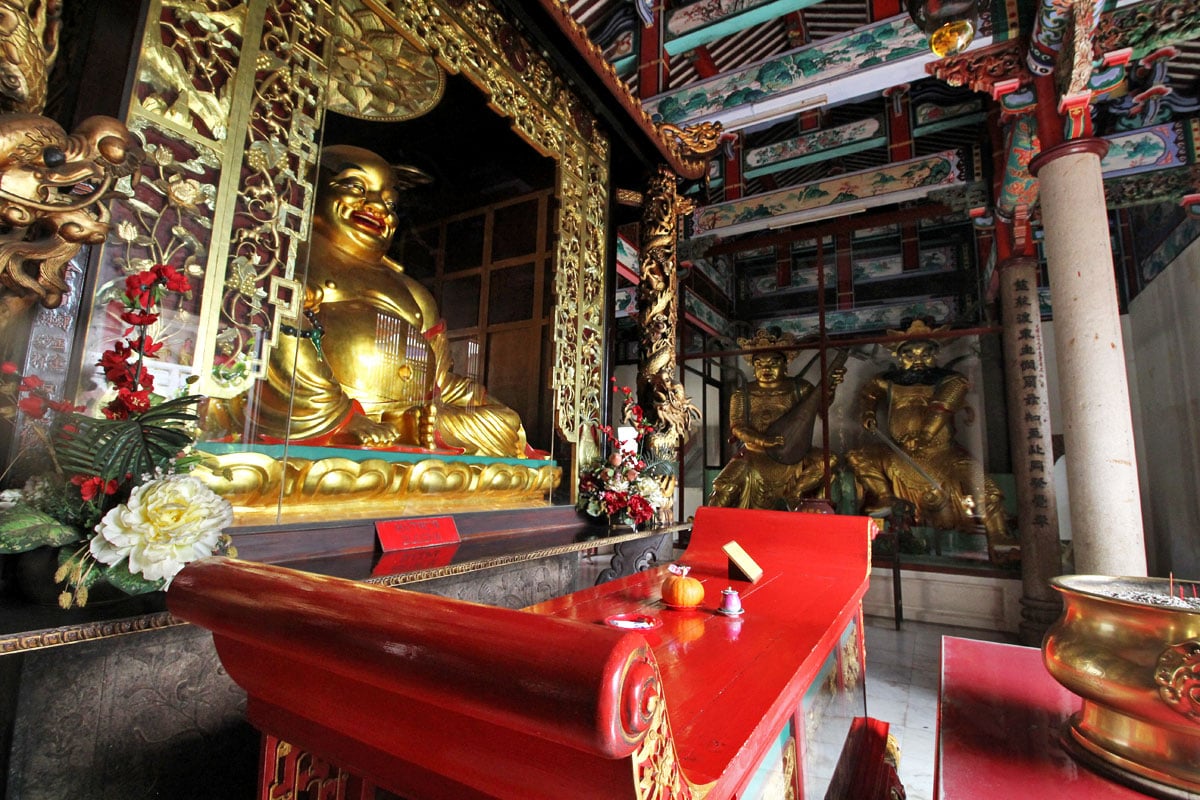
(680, 590)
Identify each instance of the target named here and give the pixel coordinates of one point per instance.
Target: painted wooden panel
(887, 42)
(816, 146)
(1145, 150)
(705, 316)
(939, 309)
(905, 180)
(705, 21)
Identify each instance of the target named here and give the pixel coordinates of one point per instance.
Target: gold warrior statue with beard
(368, 363)
(918, 460)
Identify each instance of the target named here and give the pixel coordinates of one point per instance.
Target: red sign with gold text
(402, 534)
(412, 544)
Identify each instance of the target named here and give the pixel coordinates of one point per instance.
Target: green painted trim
(732, 24)
(948, 124)
(624, 64)
(713, 183)
(278, 451)
(813, 158)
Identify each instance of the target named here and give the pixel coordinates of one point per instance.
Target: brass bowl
(1136, 663)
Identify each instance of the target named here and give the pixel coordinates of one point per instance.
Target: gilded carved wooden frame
(232, 154)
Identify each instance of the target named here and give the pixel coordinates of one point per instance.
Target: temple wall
(150, 715)
(1166, 349)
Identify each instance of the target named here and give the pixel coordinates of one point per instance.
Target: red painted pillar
(901, 148)
(845, 270)
(1049, 121)
(783, 265)
(652, 59)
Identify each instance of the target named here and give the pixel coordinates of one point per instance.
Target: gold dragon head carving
(52, 188)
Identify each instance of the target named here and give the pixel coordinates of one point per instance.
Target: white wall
(1165, 322)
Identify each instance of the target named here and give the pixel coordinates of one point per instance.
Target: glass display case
(910, 428)
(365, 344)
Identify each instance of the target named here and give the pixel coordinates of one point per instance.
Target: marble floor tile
(903, 673)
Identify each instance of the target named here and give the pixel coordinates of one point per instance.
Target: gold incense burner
(1130, 647)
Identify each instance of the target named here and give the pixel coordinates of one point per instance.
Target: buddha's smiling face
(358, 197)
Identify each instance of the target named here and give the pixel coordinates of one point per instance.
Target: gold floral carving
(694, 145)
(980, 70)
(1177, 676)
(474, 39)
(629, 197)
(296, 773)
(377, 75)
(850, 664)
(227, 101)
(671, 412)
(189, 58)
(789, 768)
(255, 482)
(657, 774)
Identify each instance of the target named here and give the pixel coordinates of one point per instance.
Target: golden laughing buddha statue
(368, 363)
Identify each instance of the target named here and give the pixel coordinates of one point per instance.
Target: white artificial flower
(9, 498)
(166, 523)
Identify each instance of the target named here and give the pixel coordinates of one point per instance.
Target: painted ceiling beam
(857, 64)
(705, 21)
(809, 148)
(776, 238)
(835, 196)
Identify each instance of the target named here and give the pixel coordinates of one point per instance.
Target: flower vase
(618, 522)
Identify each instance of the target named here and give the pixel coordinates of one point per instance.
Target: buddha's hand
(371, 433)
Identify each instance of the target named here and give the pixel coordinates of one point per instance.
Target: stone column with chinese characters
(1029, 436)
(1106, 509)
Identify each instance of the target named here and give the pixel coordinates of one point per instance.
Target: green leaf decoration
(114, 448)
(120, 576)
(23, 528)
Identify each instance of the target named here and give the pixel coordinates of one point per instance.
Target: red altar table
(429, 697)
(999, 719)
